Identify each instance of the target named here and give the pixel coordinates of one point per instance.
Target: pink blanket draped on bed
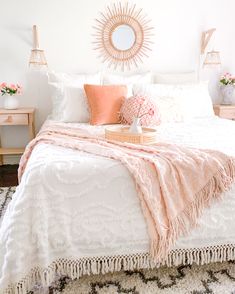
(174, 183)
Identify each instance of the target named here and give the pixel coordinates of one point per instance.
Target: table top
(224, 105)
(18, 110)
(125, 130)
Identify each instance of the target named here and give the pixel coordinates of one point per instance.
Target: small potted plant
(227, 83)
(10, 91)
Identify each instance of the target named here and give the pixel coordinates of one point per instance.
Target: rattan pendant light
(212, 58)
(37, 58)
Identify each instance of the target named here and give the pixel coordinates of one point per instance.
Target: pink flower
(227, 74)
(13, 87)
(140, 100)
(151, 112)
(19, 91)
(3, 85)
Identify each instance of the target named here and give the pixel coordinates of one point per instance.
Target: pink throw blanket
(174, 183)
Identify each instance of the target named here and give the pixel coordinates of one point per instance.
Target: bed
(89, 208)
(80, 212)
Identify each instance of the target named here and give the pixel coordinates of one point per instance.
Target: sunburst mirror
(123, 36)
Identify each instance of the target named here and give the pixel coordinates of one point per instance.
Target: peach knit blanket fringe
(174, 183)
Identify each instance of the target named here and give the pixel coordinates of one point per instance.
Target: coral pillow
(105, 103)
(149, 112)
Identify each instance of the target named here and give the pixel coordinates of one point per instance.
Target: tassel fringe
(187, 219)
(74, 269)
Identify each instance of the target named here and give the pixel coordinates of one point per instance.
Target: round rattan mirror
(123, 36)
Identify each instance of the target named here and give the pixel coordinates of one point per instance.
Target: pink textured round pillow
(149, 114)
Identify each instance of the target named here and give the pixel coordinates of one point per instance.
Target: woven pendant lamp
(37, 58)
(212, 59)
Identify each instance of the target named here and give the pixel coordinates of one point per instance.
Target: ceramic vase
(11, 102)
(228, 93)
(135, 127)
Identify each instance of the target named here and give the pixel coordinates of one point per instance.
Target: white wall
(65, 28)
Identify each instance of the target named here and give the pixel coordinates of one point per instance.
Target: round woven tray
(121, 134)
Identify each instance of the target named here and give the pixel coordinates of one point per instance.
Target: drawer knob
(9, 119)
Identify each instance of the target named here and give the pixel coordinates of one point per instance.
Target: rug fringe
(74, 269)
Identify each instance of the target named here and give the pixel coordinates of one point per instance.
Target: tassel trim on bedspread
(221, 182)
(74, 269)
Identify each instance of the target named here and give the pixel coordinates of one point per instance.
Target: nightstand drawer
(14, 119)
(227, 113)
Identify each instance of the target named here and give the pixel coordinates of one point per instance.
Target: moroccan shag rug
(215, 278)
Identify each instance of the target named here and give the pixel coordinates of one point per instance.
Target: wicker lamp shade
(212, 59)
(37, 57)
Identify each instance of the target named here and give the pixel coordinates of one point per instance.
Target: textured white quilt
(77, 205)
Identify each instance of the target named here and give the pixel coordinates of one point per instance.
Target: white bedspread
(82, 205)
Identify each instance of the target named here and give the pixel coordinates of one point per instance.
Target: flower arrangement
(10, 89)
(227, 82)
(227, 79)
(143, 111)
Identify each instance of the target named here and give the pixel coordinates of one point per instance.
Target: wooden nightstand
(225, 111)
(20, 116)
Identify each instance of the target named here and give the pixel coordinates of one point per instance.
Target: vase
(228, 93)
(11, 102)
(135, 127)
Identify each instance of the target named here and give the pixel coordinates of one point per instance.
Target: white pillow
(114, 79)
(69, 103)
(68, 96)
(167, 99)
(177, 103)
(175, 78)
(197, 101)
(75, 80)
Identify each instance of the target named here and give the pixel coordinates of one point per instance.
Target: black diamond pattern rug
(215, 278)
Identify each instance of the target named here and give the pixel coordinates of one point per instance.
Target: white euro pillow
(69, 102)
(178, 103)
(74, 80)
(129, 81)
(175, 78)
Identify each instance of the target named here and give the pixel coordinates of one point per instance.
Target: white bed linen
(83, 205)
